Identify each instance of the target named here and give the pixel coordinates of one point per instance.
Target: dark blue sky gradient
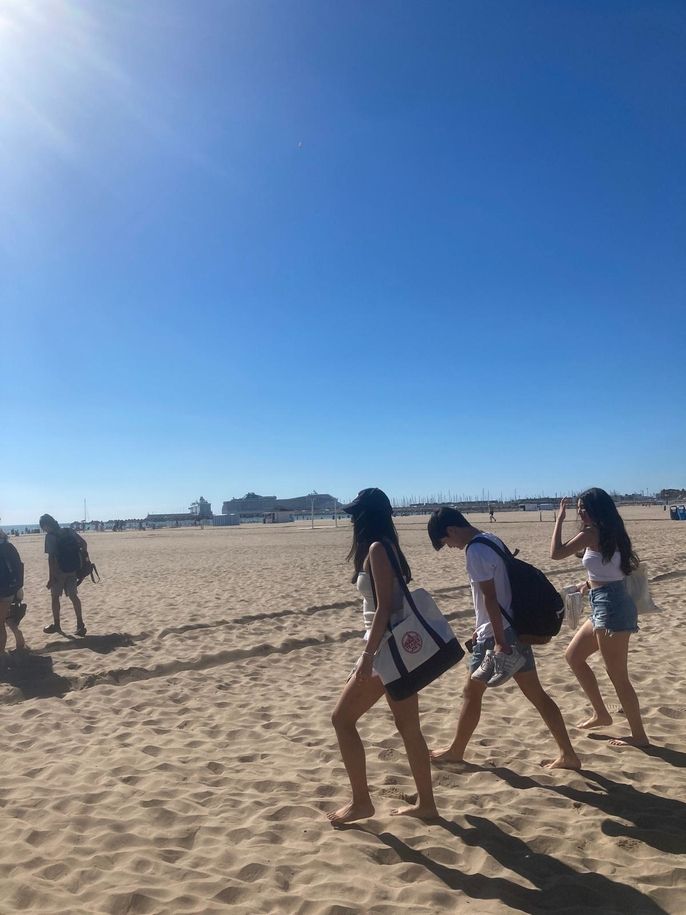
(280, 246)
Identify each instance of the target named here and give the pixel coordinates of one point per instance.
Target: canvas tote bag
(574, 605)
(639, 589)
(419, 645)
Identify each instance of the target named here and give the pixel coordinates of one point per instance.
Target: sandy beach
(180, 758)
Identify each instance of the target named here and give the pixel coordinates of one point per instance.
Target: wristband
(367, 654)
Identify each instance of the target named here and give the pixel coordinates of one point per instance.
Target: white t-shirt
(484, 564)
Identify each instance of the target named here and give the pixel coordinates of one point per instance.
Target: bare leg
(406, 714)
(530, 685)
(55, 602)
(470, 713)
(18, 635)
(615, 651)
(4, 610)
(76, 602)
(356, 699)
(582, 646)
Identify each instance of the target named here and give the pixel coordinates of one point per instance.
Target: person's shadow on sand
(33, 675)
(101, 644)
(556, 883)
(658, 821)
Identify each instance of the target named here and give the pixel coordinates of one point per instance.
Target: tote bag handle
(390, 552)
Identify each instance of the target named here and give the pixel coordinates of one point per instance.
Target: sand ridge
(181, 757)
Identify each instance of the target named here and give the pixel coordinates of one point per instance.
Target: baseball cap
(373, 499)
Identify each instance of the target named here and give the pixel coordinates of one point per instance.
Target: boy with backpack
(12, 609)
(65, 550)
(498, 653)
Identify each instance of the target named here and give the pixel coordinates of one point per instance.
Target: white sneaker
(484, 671)
(506, 666)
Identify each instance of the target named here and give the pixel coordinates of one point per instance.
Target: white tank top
(364, 586)
(599, 570)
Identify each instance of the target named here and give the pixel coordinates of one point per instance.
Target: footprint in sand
(669, 711)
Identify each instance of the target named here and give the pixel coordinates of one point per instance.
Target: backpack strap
(503, 551)
(506, 557)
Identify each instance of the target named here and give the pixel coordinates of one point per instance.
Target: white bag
(639, 590)
(415, 644)
(574, 605)
(420, 647)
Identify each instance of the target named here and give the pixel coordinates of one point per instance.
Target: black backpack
(11, 570)
(69, 551)
(72, 556)
(537, 608)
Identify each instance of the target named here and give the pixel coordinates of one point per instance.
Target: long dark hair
(368, 527)
(48, 523)
(612, 534)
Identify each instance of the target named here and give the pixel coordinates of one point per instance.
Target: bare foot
(629, 742)
(416, 810)
(564, 761)
(445, 754)
(595, 721)
(350, 812)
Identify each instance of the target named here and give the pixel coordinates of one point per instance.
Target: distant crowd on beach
(501, 647)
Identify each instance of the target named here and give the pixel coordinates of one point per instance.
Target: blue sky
(284, 246)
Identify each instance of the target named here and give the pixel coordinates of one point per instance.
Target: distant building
(278, 517)
(320, 501)
(180, 518)
(198, 512)
(252, 505)
(225, 520)
(201, 509)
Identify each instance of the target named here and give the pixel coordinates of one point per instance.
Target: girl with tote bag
(371, 514)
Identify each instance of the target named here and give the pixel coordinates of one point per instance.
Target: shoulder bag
(419, 646)
(639, 590)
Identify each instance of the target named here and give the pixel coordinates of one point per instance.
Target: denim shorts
(480, 649)
(613, 609)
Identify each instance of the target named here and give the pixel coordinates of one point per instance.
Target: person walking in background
(497, 653)
(606, 553)
(375, 579)
(11, 592)
(63, 549)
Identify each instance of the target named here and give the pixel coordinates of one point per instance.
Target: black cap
(372, 500)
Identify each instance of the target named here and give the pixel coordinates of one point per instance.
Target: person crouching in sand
(372, 519)
(498, 655)
(606, 553)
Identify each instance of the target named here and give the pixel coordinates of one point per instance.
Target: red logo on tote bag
(412, 642)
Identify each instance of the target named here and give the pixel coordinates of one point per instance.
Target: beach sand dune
(180, 758)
